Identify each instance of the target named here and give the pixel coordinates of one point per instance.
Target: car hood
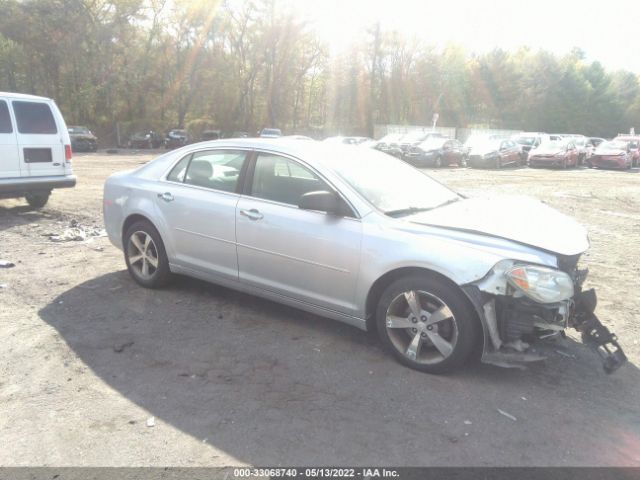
(546, 151)
(521, 219)
(482, 150)
(609, 152)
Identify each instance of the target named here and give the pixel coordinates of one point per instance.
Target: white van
(35, 148)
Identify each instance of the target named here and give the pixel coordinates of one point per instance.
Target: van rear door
(40, 138)
(9, 159)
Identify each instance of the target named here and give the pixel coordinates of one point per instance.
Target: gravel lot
(87, 357)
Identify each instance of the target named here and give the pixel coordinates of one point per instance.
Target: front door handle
(252, 214)
(166, 196)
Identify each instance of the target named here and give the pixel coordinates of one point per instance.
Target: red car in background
(633, 144)
(614, 154)
(555, 153)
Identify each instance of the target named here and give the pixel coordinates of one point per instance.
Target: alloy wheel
(422, 327)
(142, 254)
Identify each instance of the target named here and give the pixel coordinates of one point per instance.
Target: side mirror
(322, 201)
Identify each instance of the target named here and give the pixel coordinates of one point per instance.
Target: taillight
(68, 153)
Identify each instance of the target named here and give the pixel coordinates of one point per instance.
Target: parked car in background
(480, 139)
(592, 144)
(82, 140)
(146, 139)
(35, 148)
(495, 153)
(390, 144)
(581, 145)
(235, 134)
(554, 153)
(435, 152)
(362, 238)
(414, 138)
(210, 135)
(633, 144)
(529, 140)
(614, 154)
(176, 138)
(270, 133)
(346, 140)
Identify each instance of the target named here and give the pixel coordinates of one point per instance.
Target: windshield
(525, 140)
(433, 143)
(615, 145)
(484, 144)
(79, 130)
(553, 145)
(388, 183)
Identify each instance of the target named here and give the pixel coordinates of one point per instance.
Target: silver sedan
(360, 237)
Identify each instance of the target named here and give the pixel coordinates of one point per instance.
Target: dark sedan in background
(176, 138)
(82, 140)
(555, 153)
(435, 152)
(495, 153)
(146, 139)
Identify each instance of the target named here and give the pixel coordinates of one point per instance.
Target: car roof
(22, 96)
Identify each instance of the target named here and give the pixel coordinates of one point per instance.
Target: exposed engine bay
(517, 305)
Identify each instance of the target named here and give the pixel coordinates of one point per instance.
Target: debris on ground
(6, 264)
(564, 354)
(507, 414)
(77, 233)
(3, 285)
(468, 422)
(151, 422)
(120, 348)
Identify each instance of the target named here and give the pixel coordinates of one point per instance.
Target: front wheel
(427, 324)
(145, 255)
(37, 200)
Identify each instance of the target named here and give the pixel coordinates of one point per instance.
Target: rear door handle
(252, 214)
(166, 196)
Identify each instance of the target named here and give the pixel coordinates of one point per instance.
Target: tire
(142, 269)
(37, 200)
(457, 332)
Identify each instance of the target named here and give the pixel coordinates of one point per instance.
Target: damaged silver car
(364, 238)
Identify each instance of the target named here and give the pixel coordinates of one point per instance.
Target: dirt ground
(87, 357)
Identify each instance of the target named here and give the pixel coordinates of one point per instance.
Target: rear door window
(34, 118)
(5, 118)
(215, 169)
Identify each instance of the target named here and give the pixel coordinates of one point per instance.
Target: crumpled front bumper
(504, 348)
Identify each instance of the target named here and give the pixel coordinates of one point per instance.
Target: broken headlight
(544, 285)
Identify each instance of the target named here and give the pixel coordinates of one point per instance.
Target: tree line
(241, 66)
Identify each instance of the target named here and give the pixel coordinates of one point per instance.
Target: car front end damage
(521, 303)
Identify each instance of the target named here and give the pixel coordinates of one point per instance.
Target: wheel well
(375, 292)
(130, 220)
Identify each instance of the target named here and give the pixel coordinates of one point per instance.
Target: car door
(41, 147)
(197, 204)
(9, 158)
(311, 256)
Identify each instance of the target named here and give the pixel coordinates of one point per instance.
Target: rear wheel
(37, 200)
(145, 255)
(426, 324)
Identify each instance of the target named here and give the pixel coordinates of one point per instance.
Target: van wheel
(145, 255)
(37, 200)
(427, 324)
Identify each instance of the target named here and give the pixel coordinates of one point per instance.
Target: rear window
(34, 118)
(5, 118)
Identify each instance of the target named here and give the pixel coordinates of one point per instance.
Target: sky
(608, 32)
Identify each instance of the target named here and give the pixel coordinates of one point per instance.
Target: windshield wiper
(401, 212)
